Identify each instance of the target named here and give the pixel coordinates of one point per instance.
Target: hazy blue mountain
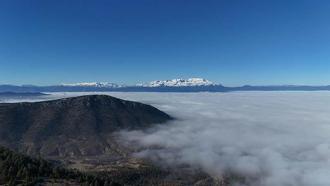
(21, 94)
(174, 85)
(210, 88)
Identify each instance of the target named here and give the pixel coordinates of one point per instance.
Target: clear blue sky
(233, 42)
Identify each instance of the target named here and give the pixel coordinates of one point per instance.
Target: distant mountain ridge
(92, 84)
(21, 94)
(190, 82)
(174, 85)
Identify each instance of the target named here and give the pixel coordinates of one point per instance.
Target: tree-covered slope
(77, 126)
(16, 168)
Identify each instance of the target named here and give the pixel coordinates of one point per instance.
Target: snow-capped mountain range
(92, 84)
(179, 83)
(190, 82)
(174, 85)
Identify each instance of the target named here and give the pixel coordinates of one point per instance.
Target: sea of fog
(271, 138)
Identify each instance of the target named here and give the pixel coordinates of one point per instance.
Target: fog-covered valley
(269, 138)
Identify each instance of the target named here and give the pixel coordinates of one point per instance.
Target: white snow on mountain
(190, 82)
(179, 83)
(92, 84)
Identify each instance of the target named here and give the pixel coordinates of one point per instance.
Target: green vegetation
(20, 169)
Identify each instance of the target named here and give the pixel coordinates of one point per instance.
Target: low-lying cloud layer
(272, 138)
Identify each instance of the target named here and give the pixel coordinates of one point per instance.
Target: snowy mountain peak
(179, 83)
(190, 82)
(92, 84)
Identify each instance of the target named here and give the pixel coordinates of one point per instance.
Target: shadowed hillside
(72, 126)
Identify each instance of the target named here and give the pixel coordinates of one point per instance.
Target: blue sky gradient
(233, 42)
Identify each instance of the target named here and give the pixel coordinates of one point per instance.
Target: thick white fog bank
(272, 138)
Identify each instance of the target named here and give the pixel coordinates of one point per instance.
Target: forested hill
(74, 126)
(19, 169)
